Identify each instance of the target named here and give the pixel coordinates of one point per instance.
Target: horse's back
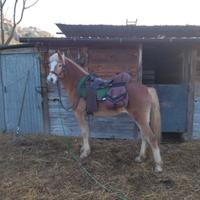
(138, 93)
(139, 99)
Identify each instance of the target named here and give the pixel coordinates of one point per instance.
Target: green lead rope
(109, 189)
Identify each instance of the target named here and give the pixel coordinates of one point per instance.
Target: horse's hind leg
(148, 137)
(153, 142)
(85, 132)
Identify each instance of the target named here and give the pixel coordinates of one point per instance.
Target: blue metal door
(15, 67)
(174, 106)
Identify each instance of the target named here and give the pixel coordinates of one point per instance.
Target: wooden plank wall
(107, 62)
(61, 122)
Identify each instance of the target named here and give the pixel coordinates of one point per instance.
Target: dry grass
(39, 168)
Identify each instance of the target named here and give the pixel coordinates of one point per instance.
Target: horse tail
(155, 118)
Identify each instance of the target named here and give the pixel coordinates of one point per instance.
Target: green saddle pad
(81, 90)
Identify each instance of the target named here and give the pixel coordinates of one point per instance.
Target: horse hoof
(81, 149)
(139, 159)
(84, 154)
(158, 169)
(83, 161)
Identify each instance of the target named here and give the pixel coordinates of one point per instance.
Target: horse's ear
(61, 55)
(51, 52)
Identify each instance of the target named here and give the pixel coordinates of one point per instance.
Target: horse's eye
(59, 65)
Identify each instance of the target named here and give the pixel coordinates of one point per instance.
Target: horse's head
(56, 67)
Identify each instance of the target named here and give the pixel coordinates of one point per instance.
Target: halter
(63, 67)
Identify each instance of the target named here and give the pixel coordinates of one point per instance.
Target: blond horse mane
(76, 65)
(62, 55)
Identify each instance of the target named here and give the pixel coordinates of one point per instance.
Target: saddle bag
(91, 99)
(116, 97)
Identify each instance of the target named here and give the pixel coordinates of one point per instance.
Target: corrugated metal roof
(129, 31)
(109, 35)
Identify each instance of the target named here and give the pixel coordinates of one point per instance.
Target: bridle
(61, 73)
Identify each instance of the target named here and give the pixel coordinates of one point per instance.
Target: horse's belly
(103, 111)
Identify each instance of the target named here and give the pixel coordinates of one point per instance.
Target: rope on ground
(89, 175)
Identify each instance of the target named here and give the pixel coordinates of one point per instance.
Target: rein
(73, 106)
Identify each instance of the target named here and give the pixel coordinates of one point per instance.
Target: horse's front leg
(142, 155)
(85, 132)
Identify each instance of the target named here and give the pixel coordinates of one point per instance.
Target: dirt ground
(40, 168)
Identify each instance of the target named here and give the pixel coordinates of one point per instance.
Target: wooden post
(190, 68)
(139, 66)
(44, 91)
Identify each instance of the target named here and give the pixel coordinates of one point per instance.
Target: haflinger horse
(143, 107)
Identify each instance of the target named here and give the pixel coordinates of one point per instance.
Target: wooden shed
(165, 57)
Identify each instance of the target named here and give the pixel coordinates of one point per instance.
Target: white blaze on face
(53, 61)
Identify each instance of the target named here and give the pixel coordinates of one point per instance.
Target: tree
(18, 9)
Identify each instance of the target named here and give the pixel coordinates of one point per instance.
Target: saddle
(112, 92)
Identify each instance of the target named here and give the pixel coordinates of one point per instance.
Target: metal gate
(14, 67)
(173, 106)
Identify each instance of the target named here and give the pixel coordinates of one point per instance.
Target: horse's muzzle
(51, 79)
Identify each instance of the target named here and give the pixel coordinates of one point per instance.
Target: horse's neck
(71, 78)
